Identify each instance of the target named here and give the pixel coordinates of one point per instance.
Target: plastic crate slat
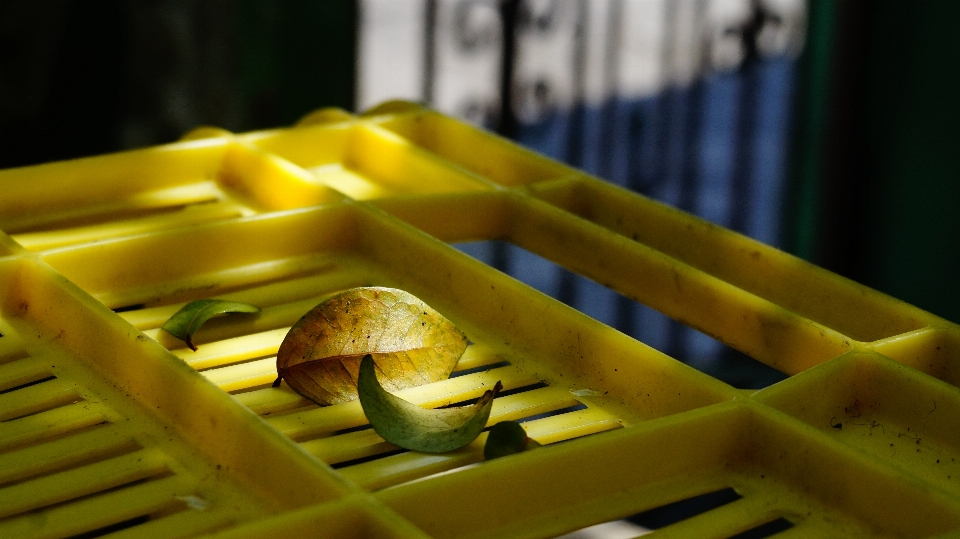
(142, 204)
(37, 398)
(393, 166)
(200, 286)
(23, 371)
(749, 323)
(81, 481)
(859, 439)
(408, 466)
(228, 328)
(245, 375)
(833, 301)
(237, 349)
(190, 215)
(353, 517)
(185, 523)
(349, 446)
(483, 153)
(286, 291)
(48, 424)
(894, 414)
(99, 511)
(571, 425)
(354, 445)
(257, 373)
(11, 347)
(530, 403)
(934, 351)
(279, 399)
(65, 452)
(723, 522)
(343, 416)
(271, 400)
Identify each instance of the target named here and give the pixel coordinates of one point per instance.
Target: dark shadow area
(481, 368)
(762, 531)
(28, 384)
(876, 163)
(679, 511)
(370, 458)
(129, 308)
(113, 528)
(505, 393)
(552, 413)
(88, 77)
(672, 513)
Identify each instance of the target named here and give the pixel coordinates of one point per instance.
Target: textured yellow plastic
(109, 424)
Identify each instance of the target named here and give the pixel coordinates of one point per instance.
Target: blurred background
(828, 129)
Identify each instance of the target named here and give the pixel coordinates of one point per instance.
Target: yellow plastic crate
(108, 424)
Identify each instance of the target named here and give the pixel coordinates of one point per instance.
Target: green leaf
(506, 438)
(413, 427)
(185, 322)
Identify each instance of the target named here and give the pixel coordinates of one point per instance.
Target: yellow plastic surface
(107, 423)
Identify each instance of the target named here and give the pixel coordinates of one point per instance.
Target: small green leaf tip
(507, 438)
(413, 427)
(185, 322)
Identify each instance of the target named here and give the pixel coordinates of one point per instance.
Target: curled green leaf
(185, 322)
(506, 438)
(413, 427)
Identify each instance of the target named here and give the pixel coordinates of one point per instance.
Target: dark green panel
(914, 135)
(877, 172)
(297, 56)
(317, 46)
(802, 207)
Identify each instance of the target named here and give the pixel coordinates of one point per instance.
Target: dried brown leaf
(411, 344)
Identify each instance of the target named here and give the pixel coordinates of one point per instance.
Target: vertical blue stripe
(774, 116)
